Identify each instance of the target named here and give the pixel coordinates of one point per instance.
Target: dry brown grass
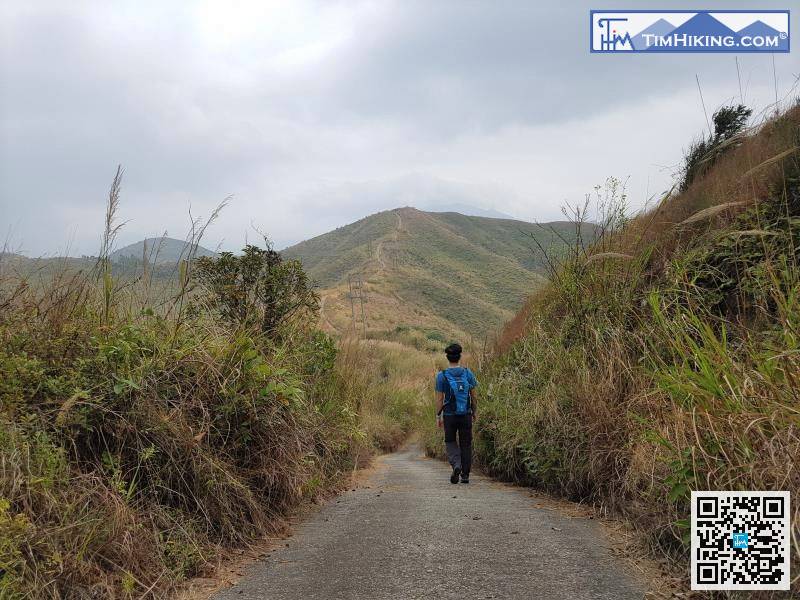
(133, 450)
(389, 382)
(739, 178)
(629, 383)
(141, 435)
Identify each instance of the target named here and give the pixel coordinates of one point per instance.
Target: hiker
(455, 410)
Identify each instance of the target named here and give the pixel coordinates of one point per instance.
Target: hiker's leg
(453, 451)
(465, 443)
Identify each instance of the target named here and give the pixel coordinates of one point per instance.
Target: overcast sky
(313, 115)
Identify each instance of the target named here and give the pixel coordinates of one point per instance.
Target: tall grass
(388, 381)
(664, 357)
(140, 434)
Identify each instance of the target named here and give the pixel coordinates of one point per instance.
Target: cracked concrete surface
(409, 533)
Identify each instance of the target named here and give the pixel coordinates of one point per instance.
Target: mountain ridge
(442, 273)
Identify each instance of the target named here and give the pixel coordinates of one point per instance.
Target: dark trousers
(459, 454)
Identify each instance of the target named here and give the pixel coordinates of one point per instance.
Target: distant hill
(442, 273)
(158, 250)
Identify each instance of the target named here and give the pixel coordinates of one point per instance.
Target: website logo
(689, 31)
(740, 540)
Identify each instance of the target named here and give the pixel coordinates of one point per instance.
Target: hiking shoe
(465, 478)
(456, 473)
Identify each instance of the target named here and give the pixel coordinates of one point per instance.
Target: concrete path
(408, 533)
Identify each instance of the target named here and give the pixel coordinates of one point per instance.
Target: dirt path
(408, 533)
(378, 253)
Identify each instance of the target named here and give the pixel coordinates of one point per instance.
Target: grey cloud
(446, 68)
(305, 144)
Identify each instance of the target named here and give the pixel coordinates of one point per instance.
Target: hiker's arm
(439, 402)
(474, 401)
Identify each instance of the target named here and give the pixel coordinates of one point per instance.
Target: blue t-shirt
(441, 382)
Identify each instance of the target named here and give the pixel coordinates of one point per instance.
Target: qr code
(740, 540)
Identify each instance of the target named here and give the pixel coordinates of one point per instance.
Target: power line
(357, 297)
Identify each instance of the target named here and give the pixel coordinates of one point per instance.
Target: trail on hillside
(408, 533)
(401, 255)
(379, 253)
(396, 238)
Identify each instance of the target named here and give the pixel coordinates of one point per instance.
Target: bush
(664, 359)
(729, 121)
(141, 444)
(436, 336)
(258, 287)
(139, 439)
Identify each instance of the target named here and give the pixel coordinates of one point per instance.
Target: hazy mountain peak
(158, 250)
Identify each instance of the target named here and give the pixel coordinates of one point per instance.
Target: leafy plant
(729, 121)
(664, 357)
(139, 439)
(256, 288)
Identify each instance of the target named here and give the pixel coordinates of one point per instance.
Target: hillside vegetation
(665, 357)
(154, 259)
(142, 432)
(442, 274)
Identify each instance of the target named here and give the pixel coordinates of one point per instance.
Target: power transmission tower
(357, 297)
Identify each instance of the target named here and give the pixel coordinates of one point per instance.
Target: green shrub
(135, 443)
(729, 121)
(436, 336)
(257, 287)
(660, 363)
